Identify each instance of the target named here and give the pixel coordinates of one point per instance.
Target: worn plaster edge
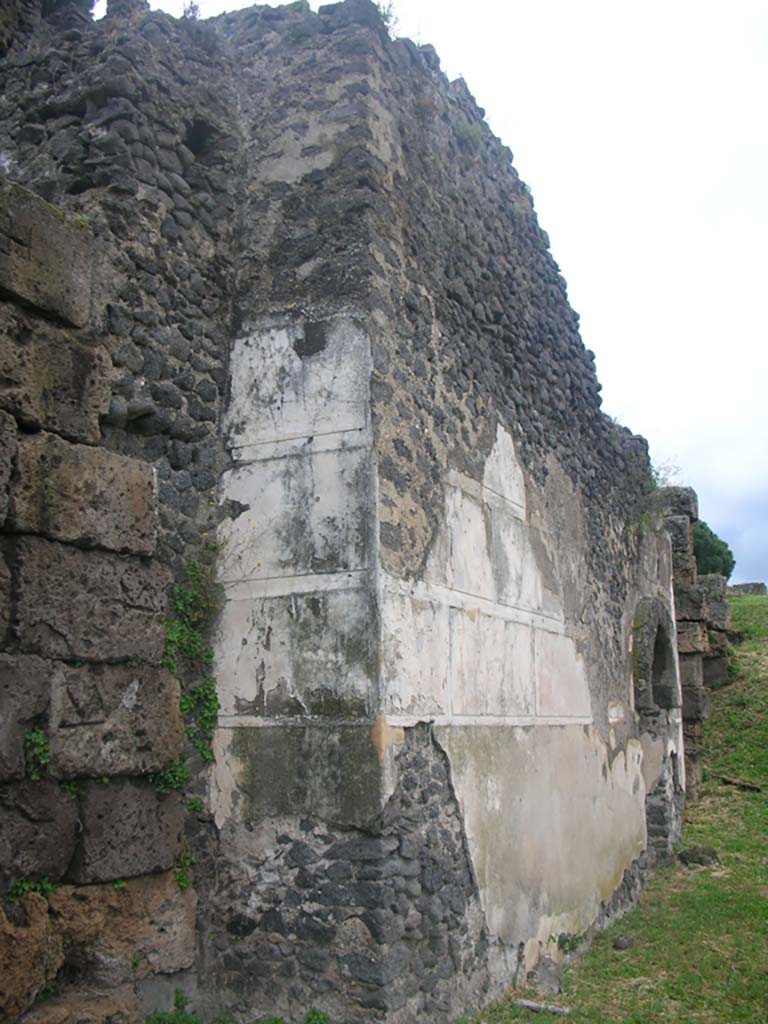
(676, 715)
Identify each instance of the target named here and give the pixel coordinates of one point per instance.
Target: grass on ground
(700, 954)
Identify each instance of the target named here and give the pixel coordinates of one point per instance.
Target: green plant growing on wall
(189, 655)
(184, 865)
(43, 887)
(73, 789)
(37, 754)
(317, 1017)
(175, 776)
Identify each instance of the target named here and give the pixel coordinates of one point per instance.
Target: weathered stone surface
(5, 597)
(690, 602)
(683, 567)
(704, 856)
(691, 671)
(678, 501)
(88, 604)
(114, 1006)
(718, 643)
(716, 589)
(128, 830)
(107, 938)
(37, 831)
(51, 381)
(31, 954)
(546, 977)
(113, 720)
(694, 739)
(75, 493)
(25, 684)
(115, 936)
(7, 455)
(680, 533)
(46, 258)
(716, 672)
(8, 19)
(696, 704)
(692, 638)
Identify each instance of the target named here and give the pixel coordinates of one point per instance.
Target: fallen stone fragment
(704, 855)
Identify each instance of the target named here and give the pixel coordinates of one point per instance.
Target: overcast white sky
(641, 129)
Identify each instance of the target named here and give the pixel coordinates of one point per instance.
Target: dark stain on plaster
(314, 339)
(331, 771)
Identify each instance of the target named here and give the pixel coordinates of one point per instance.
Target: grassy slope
(701, 935)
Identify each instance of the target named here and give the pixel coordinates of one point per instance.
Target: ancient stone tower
(271, 291)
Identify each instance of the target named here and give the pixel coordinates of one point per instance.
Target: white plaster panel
(503, 473)
(491, 665)
(415, 653)
(302, 653)
(305, 514)
(561, 680)
(469, 567)
(485, 549)
(278, 393)
(518, 578)
(551, 822)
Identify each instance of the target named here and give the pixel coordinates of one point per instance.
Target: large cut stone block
(72, 492)
(690, 602)
(50, 380)
(31, 954)
(683, 567)
(7, 455)
(128, 830)
(37, 831)
(691, 671)
(114, 1006)
(678, 501)
(46, 258)
(696, 704)
(25, 684)
(680, 533)
(114, 720)
(718, 643)
(716, 588)
(692, 638)
(716, 672)
(145, 928)
(88, 604)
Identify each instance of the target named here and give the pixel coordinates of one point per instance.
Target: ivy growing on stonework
(37, 754)
(189, 655)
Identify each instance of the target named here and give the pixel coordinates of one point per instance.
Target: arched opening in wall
(654, 670)
(663, 676)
